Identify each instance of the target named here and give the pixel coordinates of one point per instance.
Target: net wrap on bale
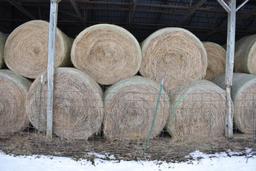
(245, 55)
(108, 53)
(130, 108)
(13, 91)
(175, 55)
(216, 57)
(26, 49)
(197, 112)
(243, 93)
(78, 105)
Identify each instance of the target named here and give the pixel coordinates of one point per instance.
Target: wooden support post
(51, 65)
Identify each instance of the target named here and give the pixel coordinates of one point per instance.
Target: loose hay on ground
(78, 105)
(26, 49)
(108, 53)
(13, 91)
(173, 54)
(130, 108)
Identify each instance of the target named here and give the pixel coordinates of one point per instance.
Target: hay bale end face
(2, 43)
(243, 95)
(78, 105)
(130, 108)
(245, 55)
(216, 57)
(108, 53)
(197, 113)
(13, 91)
(173, 54)
(26, 49)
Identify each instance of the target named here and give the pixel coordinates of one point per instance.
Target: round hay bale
(108, 53)
(13, 91)
(26, 49)
(130, 106)
(216, 57)
(173, 54)
(2, 42)
(245, 55)
(197, 112)
(78, 106)
(244, 99)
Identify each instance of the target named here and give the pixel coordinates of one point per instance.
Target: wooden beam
(191, 12)
(21, 8)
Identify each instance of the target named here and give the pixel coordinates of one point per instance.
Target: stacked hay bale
(245, 55)
(2, 42)
(13, 91)
(216, 57)
(244, 98)
(130, 108)
(175, 55)
(108, 53)
(26, 49)
(78, 106)
(197, 112)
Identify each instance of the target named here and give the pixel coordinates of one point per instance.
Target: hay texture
(243, 94)
(26, 49)
(13, 91)
(197, 113)
(78, 105)
(245, 55)
(108, 53)
(173, 54)
(2, 42)
(216, 57)
(130, 107)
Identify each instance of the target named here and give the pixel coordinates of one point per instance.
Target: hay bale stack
(174, 54)
(13, 91)
(245, 55)
(243, 94)
(26, 49)
(216, 57)
(108, 53)
(130, 107)
(197, 112)
(2, 42)
(78, 105)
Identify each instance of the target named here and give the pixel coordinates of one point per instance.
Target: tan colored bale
(26, 49)
(108, 53)
(216, 57)
(197, 112)
(130, 107)
(13, 91)
(78, 105)
(173, 54)
(243, 93)
(245, 55)
(2, 43)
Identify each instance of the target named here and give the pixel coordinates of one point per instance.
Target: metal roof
(205, 18)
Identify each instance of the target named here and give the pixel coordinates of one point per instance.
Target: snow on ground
(224, 161)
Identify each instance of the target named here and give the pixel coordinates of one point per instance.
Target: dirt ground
(161, 148)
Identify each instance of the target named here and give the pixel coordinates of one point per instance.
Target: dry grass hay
(108, 53)
(130, 106)
(26, 49)
(78, 105)
(244, 97)
(13, 91)
(2, 42)
(216, 57)
(197, 113)
(245, 55)
(173, 54)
